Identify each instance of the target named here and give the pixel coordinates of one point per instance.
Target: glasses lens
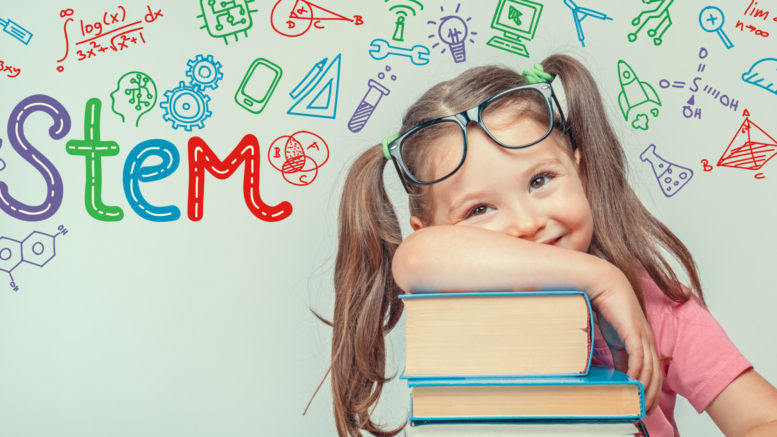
(434, 151)
(518, 118)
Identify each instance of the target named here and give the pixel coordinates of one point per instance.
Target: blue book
(491, 334)
(604, 393)
(528, 428)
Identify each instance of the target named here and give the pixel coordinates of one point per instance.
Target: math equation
(111, 31)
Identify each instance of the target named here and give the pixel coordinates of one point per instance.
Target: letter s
(59, 129)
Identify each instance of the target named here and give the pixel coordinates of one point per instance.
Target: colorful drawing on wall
(711, 19)
(37, 248)
(258, 85)
(763, 74)
(750, 148)
(660, 12)
(298, 156)
(20, 142)
(365, 109)
(517, 20)
(671, 177)
(579, 14)
(16, 31)
(135, 95)
(186, 106)
(9, 70)
(293, 18)
(316, 94)
(92, 148)
(453, 31)
(380, 49)
(401, 10)
(633, 94)
(225, 18)
(111, 30)
(754, 12)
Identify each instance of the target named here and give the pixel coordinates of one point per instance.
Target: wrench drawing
(380, 48)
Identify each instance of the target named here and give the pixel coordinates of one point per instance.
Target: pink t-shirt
(703, 359)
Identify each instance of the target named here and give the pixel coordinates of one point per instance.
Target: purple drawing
(453, 32)
(671, 177)
(37, 249)
(372, 97)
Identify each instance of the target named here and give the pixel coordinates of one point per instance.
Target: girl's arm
(463, 258)
(746, 407)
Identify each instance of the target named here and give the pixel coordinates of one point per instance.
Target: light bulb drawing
(454, 32)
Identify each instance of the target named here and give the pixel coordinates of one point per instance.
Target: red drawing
(9, 70)
(298, 156)
(293, 18)
(112, 31)
(202, 158)
(750, 148)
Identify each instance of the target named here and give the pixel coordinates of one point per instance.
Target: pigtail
(366, 302)
(625, 232)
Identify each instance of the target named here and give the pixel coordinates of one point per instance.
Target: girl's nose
(526, 223)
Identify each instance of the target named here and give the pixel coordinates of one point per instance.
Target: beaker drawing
(671, 177)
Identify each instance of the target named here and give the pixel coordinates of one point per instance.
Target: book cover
(604, 393)
(498, 333)
(528, 428)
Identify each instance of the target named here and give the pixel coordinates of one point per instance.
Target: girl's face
(533, 193)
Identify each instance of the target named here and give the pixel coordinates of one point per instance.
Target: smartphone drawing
(258, 85)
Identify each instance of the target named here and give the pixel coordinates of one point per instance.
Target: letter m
(202, 158)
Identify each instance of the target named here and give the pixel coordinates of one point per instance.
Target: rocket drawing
(634, 92)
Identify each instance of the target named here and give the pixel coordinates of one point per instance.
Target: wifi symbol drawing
(402, 10)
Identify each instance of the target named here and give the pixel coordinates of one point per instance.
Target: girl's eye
(540, 180)
(478, 210)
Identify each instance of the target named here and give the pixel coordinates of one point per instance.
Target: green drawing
(517, 20)
(94, 149)
(515, 15)
(659, 12)
(255, 90)
(226, 18)
(402, 10)
(136, 94)
(636, 93)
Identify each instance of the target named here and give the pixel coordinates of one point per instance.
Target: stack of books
(512, 363)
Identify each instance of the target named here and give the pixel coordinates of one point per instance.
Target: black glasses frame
(463, 119)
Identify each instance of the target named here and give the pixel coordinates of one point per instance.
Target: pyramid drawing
(319, 97)
(750, 148)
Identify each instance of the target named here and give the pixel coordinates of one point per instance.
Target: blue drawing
(316, 94)
(670, 177)
(16, 31)
(711, 19)
(186, 107)
(380, 48)
(204, 72)
(579, 14)
(36, 249)
(763, 74)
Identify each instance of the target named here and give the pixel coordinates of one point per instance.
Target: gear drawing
(186, 106)
(204, 72)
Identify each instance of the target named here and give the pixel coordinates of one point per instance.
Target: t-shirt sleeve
(704, 360)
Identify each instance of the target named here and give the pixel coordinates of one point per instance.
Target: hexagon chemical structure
(37, 248)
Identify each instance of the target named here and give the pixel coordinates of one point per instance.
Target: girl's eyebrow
(467, 197)
(545, 162)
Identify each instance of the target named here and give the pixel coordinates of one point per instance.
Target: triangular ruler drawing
(750, 148)
(319, 98)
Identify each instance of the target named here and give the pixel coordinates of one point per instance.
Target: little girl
(506, 193)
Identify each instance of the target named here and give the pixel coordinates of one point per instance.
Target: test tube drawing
(366, 107)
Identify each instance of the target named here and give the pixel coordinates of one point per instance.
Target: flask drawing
(671, 177)
(366, 107)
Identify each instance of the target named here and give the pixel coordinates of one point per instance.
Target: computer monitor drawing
(518, 20)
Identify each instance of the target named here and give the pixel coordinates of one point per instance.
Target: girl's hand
(628, 335)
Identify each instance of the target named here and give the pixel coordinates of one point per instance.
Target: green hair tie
(385, 142)
(537, 74)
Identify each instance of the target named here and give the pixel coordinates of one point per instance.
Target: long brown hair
(366, 302)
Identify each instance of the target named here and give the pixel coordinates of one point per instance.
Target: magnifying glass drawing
(711, 19)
